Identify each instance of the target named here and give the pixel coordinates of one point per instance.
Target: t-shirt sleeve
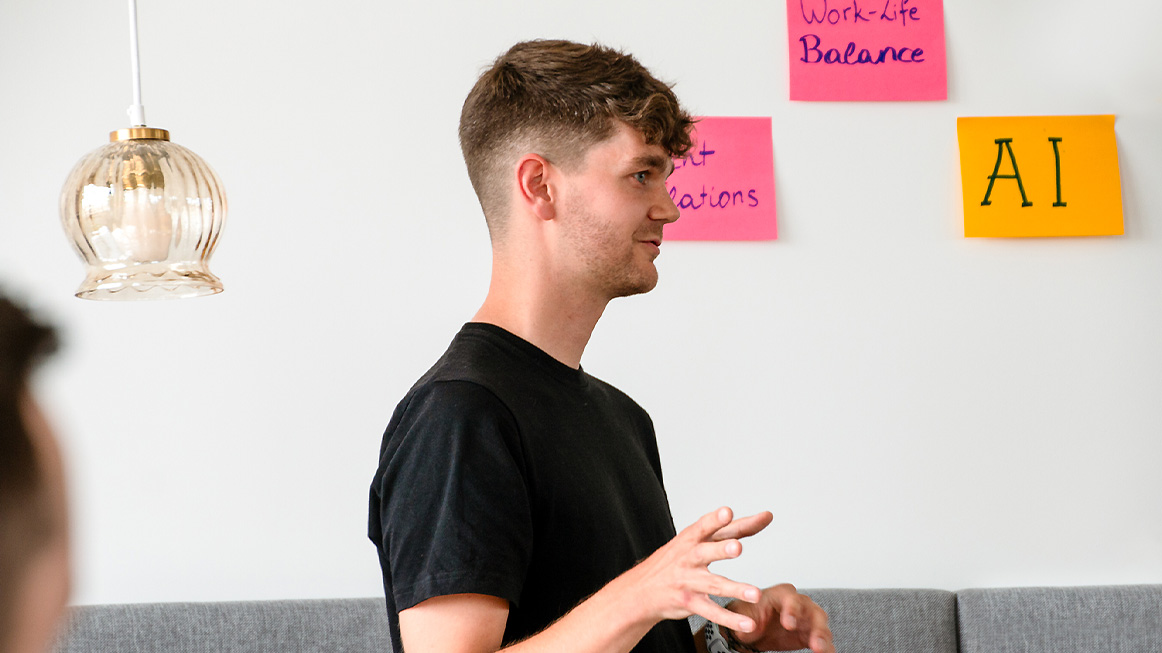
(454, 508)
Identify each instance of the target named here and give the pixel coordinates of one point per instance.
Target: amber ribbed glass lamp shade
(145, 215)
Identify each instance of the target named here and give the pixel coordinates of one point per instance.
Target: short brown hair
(558, 98)
(26, 522)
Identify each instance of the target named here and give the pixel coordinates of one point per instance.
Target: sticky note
(725, 186)
(1040, 176)
(867, 50)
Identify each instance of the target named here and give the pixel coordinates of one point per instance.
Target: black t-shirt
(505, 472)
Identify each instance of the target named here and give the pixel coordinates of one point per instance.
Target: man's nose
(664, 210)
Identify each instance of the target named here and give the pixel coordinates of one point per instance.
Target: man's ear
(533, 173)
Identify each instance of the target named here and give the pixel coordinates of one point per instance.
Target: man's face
(612, 212)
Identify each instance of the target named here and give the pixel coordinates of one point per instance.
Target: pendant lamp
(143, 213)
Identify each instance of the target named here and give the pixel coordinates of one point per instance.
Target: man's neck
(556, 319)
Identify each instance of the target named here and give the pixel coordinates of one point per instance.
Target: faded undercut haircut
(26, 518)
(558, 99)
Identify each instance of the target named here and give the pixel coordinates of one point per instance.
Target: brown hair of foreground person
(34, 569)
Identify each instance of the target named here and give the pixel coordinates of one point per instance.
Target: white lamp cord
(136, 110)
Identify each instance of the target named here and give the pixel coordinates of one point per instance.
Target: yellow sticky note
(1040, 176)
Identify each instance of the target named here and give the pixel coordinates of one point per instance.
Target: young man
(34, 559)
(519, 501)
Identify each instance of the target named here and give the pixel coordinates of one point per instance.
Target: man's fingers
(707, 609)
(744, 526)
(729, 589)
(721, 525)
(819, 639)
(708, 552)
(797, 612)
(788, 602)
(820, 632)
(708, 524)
(707, 582)
(821, 644)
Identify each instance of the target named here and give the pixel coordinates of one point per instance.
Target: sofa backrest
(306, 626)
(1114, 619)
(916, 621)
(1122, 619)
(881, 620)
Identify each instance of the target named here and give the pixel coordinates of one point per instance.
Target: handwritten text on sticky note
(725, 186)
(870, 50)
(1040, 176)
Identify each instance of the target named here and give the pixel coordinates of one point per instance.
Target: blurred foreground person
(34, 552)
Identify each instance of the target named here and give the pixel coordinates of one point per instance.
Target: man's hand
(785, 620)
(675, 581)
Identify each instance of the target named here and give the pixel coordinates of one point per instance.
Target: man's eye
(641, 177)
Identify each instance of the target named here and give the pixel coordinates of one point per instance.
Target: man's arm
(673, 583)
(454, 623)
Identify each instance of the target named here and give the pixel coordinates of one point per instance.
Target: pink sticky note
(725, 186)
(869, 50)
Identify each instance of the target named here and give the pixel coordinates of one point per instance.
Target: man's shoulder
(456, 397)
(475, 357)
(485, 363)
(475, 376)
(490, 356)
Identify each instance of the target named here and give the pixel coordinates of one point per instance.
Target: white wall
(918, 409)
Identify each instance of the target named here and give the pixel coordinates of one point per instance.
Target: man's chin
(638, 287)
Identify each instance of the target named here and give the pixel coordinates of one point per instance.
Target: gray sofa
(1111, 619)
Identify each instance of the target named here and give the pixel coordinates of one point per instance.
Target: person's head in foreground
(34, 570)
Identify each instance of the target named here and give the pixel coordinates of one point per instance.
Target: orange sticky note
(725, 186)
(867, 50)
(1040, 176)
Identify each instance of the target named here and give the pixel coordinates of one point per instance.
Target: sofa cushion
(1121, 619)
(306, 626)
